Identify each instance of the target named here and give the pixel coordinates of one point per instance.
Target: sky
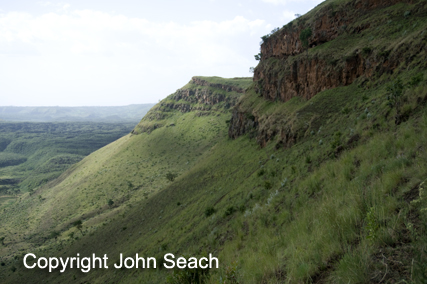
(113, 53)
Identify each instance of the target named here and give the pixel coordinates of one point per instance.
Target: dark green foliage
(267, 185)
(366, 51)
(209, 211)
(2, 240)
(264, 38)
(11, 159)
(345, 110)
(130, 185)
(304, 36)
(54, 235)
(110, 202)
(230, 210)
(258, 56)
(79, 225)
(171, 176)
(384, 54)
(261, 172)
(415, 80)
(3, 143)
(242, 208)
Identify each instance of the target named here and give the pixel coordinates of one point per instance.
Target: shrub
(171, 176)
(242, 208)
(345, 110)
(267, 185)
(366, 50)
(209, 211)
(54, 235)
(230, 210)
(304, 36)
(415, 80)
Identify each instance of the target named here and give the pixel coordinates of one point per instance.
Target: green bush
(267, 185)
(304, 36)
(230, 210)
(209, 211)
(171, 176)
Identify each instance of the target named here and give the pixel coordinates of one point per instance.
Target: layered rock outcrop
(202, 95)
(281, 76)
(286, 70)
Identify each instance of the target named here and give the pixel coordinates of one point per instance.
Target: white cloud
(287, 16)
(85, 52)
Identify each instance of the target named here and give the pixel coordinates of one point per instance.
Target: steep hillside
(316, 175)
(107, 184)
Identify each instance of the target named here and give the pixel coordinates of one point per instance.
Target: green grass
(343, 203)
(313, 225)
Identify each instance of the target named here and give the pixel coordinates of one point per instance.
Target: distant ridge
(129, 113)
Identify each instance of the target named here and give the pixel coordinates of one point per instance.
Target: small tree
(79, 225)
(54, 235)
(304, 36)
(170, 176)
(110, 202)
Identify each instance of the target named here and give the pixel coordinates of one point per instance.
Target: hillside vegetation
(32, 154)
(312, 172)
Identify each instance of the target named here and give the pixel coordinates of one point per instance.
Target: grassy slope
(301, 214)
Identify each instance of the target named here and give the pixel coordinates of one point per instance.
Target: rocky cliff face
(286, 70)
(202, 95)
(281, 75)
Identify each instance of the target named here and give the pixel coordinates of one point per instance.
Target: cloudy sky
(93, 52)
